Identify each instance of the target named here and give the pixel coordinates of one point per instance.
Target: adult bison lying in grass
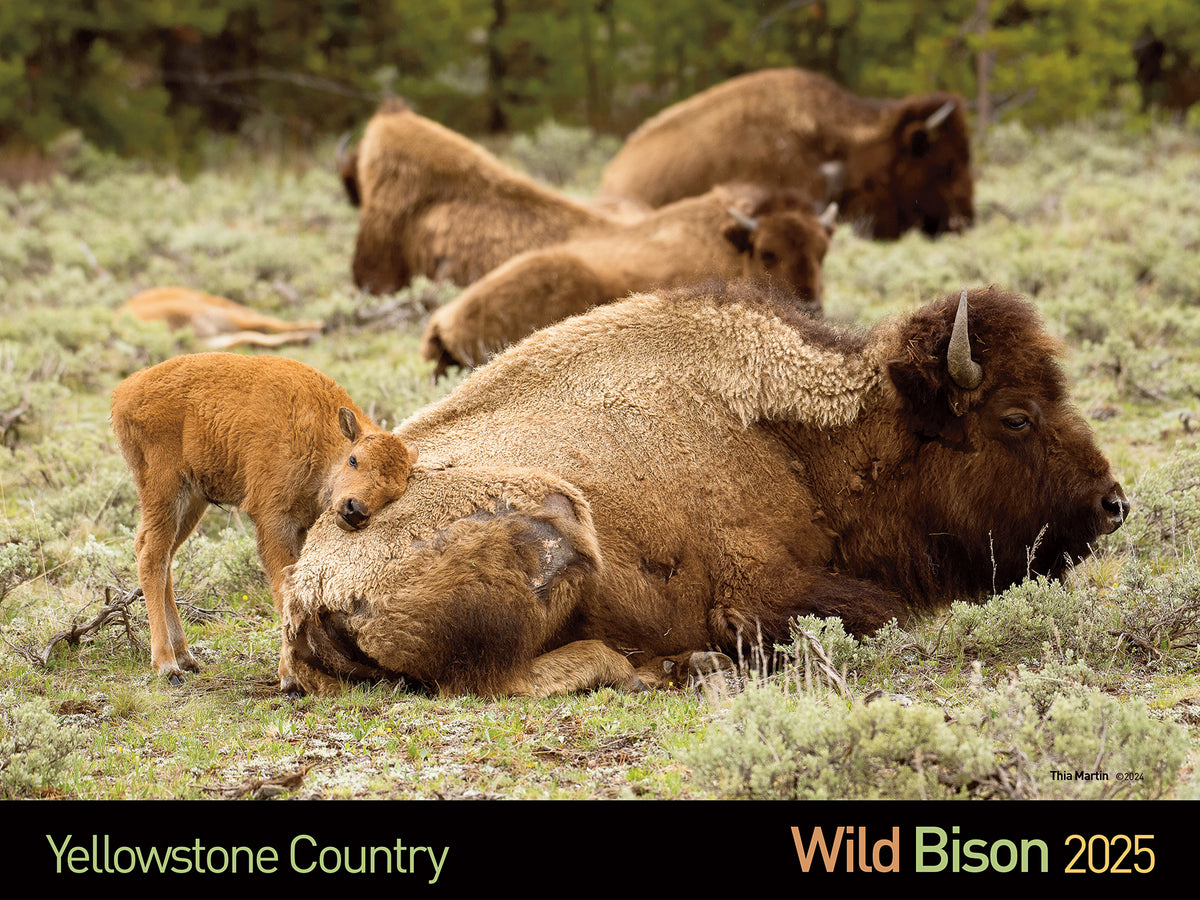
(732, 230)
(433, 203)
(686, 472)
(890, 165)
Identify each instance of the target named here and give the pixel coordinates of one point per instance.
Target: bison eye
(769, 258)
(1017, 422)
(353, 460)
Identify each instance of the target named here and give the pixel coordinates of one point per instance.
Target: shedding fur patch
(763, 369)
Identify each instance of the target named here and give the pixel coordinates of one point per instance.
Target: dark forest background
(147, 78)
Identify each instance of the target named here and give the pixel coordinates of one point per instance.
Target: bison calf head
(374, 473)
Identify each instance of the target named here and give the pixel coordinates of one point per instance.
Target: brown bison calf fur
(218, 322)
(890, 165)
(433, 203)
(689, 471)
(270, 435)
(733, 230)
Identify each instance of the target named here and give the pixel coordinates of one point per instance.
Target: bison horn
(964, 371)
(834, 173)
(940, 115)
(342, 143)
(829, 218)
(742, 219)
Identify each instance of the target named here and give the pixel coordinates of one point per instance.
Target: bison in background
(890, 165)
(1166, 76)
(433, 203)
(686, 472)
(730, 231)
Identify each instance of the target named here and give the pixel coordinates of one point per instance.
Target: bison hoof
(634, 685)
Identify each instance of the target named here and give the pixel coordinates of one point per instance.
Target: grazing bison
(267, 434)
(686, 472)
(433, 203)
(730, 231)
(890, 165)
(218, 322)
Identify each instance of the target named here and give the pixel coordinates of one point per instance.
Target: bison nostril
(353, 513)
(1117, 507)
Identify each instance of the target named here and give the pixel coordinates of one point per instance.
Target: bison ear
(925, 393)
(738, 229)
(349, 424)
(413, 453)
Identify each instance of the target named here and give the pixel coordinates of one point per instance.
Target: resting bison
(730, 231)
(890, 165)
(433, 203)
(219, 323)
(687, 472)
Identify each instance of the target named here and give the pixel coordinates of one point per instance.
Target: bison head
(915, 174)
(784, 246)
(1006, 478)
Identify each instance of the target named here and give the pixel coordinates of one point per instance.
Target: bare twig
(117, 610)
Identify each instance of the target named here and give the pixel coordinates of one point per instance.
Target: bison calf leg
(279, 545)
(165, 525)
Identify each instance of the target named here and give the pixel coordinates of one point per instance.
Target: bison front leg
(468, 609)
(279, 543)
(578, 666)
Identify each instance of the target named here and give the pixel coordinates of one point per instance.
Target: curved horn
(834, 173)
(829, 218)
(343, 141)
(940, 115)
(964, 371)
(741, 218)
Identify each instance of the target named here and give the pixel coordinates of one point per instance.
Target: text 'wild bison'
(687, 471)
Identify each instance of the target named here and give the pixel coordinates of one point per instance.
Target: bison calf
(270, 435)
(218, 322)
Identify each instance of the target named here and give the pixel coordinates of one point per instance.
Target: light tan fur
(218, 322)
(270, 435)
(439, 205)
(685, 242)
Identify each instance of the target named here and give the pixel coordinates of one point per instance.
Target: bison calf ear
(349, 424)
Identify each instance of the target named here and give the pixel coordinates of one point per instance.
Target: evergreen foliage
(145, 78)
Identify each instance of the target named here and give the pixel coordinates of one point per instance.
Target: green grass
(1099, 223)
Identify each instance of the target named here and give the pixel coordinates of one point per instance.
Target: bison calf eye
(1017, 422)
(353, 460)
(769, 258)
